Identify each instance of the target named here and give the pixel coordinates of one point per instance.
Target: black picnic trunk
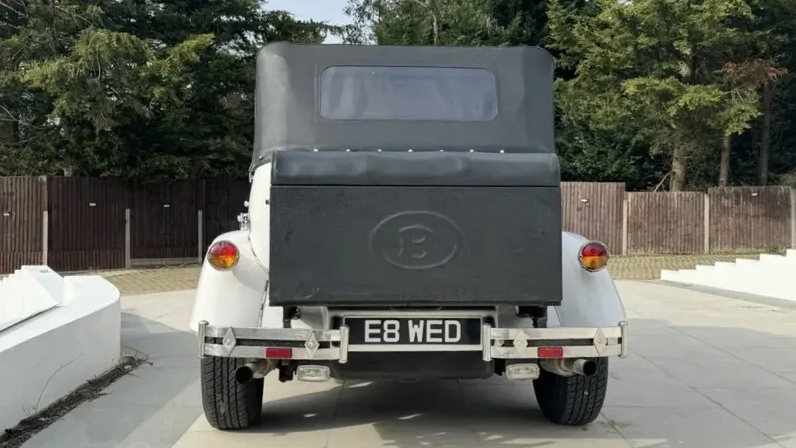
(415, 229)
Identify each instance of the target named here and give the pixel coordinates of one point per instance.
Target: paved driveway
(705, 372)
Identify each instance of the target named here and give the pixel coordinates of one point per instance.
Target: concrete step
(724, 264)
(680, 276)
(772, 276)
(725, 267)
(670, 275)
(772, 257)
(778, 259)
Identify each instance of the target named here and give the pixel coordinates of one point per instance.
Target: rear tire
(228, 404)
(575, 400)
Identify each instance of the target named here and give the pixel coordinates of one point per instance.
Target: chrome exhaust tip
(585, 367)
(244, 374)
(251, 370)
(570, 367)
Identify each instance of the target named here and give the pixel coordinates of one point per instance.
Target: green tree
(445, 22)
(136, 88)
(587, 152)
(33, 31)
(775, 29)
(661, 69)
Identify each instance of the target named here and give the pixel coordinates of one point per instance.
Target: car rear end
(413, 257)
(412, 228)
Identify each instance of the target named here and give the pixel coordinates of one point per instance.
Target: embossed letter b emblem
(413, 241)
(416, 240)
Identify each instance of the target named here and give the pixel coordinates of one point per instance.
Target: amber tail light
(593, 256)
(223, 255)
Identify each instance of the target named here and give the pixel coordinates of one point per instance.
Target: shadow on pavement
(685, 386)
(151, 407)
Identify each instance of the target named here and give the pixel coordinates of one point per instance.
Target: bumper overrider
(333, 345)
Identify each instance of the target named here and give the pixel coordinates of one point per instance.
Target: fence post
(201, 236)
(706, 217)
(793, 217)
(128, 262)
(45, 223)
(624, 224)
(45, 238)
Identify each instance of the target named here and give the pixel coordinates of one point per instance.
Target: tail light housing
(550, 352)
(223, 255)
(593, 256)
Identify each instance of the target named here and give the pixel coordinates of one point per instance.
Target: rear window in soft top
(408, 93)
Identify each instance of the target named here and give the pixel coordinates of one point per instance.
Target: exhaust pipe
(247, 372)
(570, 367)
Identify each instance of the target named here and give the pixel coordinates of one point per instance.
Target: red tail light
(550, 352)
(278, 353)
(223, 255)
(593, 256)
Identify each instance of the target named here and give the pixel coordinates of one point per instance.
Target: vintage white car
(404, 223)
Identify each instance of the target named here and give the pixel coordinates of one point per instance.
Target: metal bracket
(486, 338)
(624, 345)
(229, 341)
(243, 220)
(344, 333)
(600, 341)
(311, 344)
(202, 331)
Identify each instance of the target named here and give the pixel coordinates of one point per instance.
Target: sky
(330, 11)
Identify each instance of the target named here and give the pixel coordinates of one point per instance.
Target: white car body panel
(233, 297)
(237, 298)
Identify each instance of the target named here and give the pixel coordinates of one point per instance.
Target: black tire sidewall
(574, 400)
(228, 404)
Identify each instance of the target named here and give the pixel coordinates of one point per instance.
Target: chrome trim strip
(413, 348)
(569, 352)
(427, 314)
(202, 332)
(344, 335)
(277, 334)
(605, 342)
(486, 342)
(625, 350)
(244, 351)
(553, 333)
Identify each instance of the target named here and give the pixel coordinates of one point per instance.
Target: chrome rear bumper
(332, 345)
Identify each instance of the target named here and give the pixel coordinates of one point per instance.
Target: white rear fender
(232, 297)
(590, 299)
(260, 213)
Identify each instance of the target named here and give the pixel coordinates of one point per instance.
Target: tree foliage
(133, 88)
(656, 93)
(647, 90)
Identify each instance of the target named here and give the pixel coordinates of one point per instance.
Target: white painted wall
(770, 276)
(50, 354)
(27, 292)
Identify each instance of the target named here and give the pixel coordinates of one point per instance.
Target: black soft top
(289, 95)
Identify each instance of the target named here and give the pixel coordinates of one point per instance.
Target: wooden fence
(77, 224)
(721, 220)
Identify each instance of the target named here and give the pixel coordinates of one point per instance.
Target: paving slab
(154, 405)
(685, 427)
(705, 371)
